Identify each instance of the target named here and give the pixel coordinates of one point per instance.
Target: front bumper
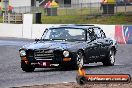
(45, 63)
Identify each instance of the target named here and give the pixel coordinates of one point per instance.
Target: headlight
(66, 54)
(22, 53)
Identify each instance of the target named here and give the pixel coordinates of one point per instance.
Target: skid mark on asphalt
(13, 43)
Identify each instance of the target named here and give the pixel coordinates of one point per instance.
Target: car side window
(88, 37)
(97, 32)
(103, 34)
(92, 34)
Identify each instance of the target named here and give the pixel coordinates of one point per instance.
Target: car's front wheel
(110, 60)
(78, 62)
(27, 67)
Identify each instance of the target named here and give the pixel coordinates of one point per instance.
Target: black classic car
(69, 46)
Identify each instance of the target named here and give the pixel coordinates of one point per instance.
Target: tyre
(27, 68)
(110, 60)
(80, 59)
(81, 80)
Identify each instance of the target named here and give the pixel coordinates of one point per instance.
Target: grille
(43, 54)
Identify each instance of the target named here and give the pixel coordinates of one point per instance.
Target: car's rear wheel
(27, 67)
(80, 59)
(110, 60)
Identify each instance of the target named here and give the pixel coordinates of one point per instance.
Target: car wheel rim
(112, 58)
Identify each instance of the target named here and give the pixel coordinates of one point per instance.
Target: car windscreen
(76, 34)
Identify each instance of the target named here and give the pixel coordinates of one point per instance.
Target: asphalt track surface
(11, 74)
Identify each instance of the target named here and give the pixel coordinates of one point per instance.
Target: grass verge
(85, 19)
(76, 19)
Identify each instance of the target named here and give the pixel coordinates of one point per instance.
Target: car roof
(78, 26)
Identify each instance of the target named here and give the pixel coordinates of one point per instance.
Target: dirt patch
(75, 85)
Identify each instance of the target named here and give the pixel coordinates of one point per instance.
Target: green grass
(83, 16)
(84, 19)
(1, 19)
(60, 19)
(73, 11)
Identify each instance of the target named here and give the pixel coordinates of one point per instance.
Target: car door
(92, 49)
(104, 42)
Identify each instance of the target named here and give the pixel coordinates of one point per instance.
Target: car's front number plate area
(44, 64)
